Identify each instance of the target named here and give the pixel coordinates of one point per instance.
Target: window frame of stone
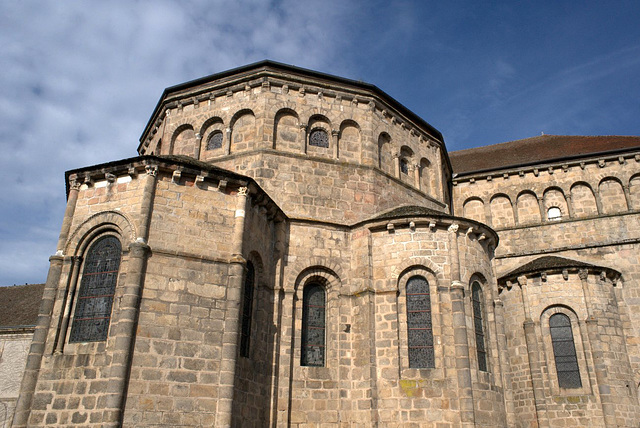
(305, 330)
(82, 285)
(576, 330)
(479, 315)
(407, 372)
(404, 166)
(214, 133)
(248, 295)
(317, 129)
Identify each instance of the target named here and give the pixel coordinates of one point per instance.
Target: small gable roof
(553, 264)
(19, 305)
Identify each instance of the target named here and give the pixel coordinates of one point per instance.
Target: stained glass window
(319, 138)
(95, 298)
(313, 325)
(215, 141)
(564, 351)
(419, 329)
(476, 300)
(247, 306)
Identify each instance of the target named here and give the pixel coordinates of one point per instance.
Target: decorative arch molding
(419, 263)
(480, 276)
(99, 223)
(181, 126)
(237, 115)
(329, 277)
(216, 117)
(349, 122)
(255, 258)
(317, 116)
(287, 136)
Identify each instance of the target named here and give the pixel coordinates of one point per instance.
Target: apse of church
(292, 248)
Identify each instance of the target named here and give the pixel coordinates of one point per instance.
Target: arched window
(554, 213)
(318, 137)
(247, 307)
(476, 299)
(215, 141)
(419, 329)
(313, 325)
(404, 166)
(564, 351)
(98, 285)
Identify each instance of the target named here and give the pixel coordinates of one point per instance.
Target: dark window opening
(313, 325)
(564, 351)
(476, 299)
(97, 288)
(419, 328)
(247, 307)
(319, 138)
(215, 141)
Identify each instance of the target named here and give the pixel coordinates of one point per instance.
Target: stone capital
(151, 170)
(453, 228)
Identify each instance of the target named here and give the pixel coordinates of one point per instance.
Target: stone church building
(295, 249)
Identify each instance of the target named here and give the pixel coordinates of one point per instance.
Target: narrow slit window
(419, 329)
(97, 288)
(476, 299)
(247, 310)
(564, 352)
(313, 325)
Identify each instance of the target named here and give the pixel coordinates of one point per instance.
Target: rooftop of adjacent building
(539, 149)
(19, 305)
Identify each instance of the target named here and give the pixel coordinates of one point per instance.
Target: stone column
(570, 205)
(416, 176)
(227, 143)
(460, 339)
(76, 262)
(336, 141)
(543, 213)
(627, 196)
(503, 358)
(232, 315)
(198, 149)
(34, 358)
(533, 355)
(596, 193)
(303, 138)
(602, 376)
(396, 164)
(122, 334)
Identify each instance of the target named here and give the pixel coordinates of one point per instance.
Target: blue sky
(79, 79)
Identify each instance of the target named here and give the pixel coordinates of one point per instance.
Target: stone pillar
(602, 376)
(570, 205)
(198, 149)
(503, 358)
(227, 143)
(627, 196)
(336, 141)
(533, 355)
(416, 176)
(543, 213)
(303, 138)
(123, 331)
(396, 165)
(286, 355)
(76, 262)
(232, 316)
(34, 358)
(460, 339)
(596, 193)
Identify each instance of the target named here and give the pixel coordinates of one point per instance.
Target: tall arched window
(247, 307)
(419, 329)
(98, 285)
(476, 300)
(564, 351)
(313, 325)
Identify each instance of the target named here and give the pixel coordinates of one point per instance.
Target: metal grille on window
(319, 138)
(419, 329)
(476, 299)
(247, 306)
(215, 141)
(564, 351)
(95, 298)
(313, 325)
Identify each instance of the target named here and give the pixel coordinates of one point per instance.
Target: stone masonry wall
(14, 347)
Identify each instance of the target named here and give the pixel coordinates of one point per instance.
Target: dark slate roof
(19, 305)
(543, 148)
(410, 210)
(551, 263)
